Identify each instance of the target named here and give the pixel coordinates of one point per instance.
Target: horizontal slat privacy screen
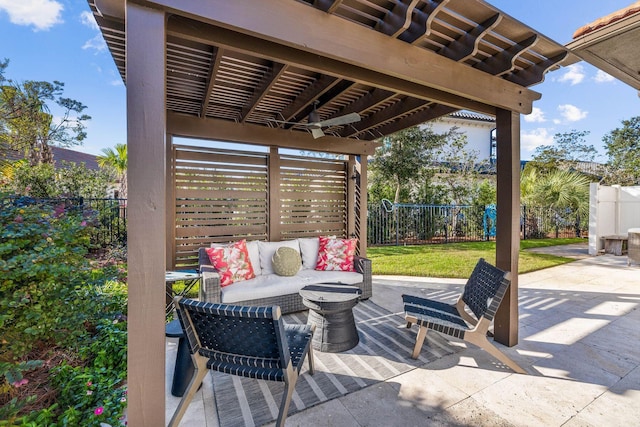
(223, 196)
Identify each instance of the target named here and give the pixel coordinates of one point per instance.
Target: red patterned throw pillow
(232, 262)
(336, 254)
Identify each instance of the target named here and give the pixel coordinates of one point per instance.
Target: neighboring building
(480, 131)
(59, 155)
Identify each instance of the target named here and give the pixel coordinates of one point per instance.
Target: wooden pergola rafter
(236, 70)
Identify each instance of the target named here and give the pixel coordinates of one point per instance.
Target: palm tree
(557, 190)
(116, 160)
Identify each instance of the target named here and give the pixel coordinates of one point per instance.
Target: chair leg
(200, 371)
(482, 342)
(312, 369)
(408, 325)
(422, 333)
(289, 387)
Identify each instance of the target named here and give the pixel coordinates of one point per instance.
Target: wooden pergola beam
(282, 23)
(268, 80)
(224, 130)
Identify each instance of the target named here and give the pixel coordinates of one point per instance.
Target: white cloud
(88, 20)
(536, 116)
(574, 75)
(571, 113)
(535, 138)
(97, 43)
(42, 14)
(602, 77)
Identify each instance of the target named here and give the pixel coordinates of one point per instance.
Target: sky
(59, 40)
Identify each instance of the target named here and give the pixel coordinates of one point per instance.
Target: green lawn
(456, 260)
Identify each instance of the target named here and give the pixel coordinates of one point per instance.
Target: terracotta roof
(606, 20)
(59, 155)
(472, 116)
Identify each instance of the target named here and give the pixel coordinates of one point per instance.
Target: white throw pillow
(309, 250)
(267, 249)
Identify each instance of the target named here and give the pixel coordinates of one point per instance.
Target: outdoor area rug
(384, 352)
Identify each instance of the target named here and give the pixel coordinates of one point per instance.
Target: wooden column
(351, 198)
(171, 204)
(364, 205)
(147, 228)
(508, 221)
(274, 233)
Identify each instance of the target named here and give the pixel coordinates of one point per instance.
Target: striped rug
(383, 353)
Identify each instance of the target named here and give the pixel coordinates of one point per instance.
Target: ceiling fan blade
(342, 120)
(317, 133)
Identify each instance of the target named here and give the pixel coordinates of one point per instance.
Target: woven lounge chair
(246, 341)
(482, 294)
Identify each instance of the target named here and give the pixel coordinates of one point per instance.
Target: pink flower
(19, 219)
(99, 410)
(89, 383)
(20, 383)
(83, 224)
(89, 392)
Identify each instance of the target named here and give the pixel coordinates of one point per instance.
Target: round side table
(330, 310)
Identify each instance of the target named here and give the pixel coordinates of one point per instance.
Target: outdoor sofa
(268, 288)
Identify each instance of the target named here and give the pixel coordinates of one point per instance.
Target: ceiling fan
(315, 124)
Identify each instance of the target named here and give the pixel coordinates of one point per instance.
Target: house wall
(478, 133)
(612, 210)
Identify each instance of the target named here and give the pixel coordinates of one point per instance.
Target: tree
(116, 160)
(459, 169)
(27, 123)
(569, 148)
(404, 156)
(562, 191)
(623, 149)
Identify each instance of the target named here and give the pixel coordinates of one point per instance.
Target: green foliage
(42, 272)
(623, 149)
(568, 149)
(116, 160)
(487, 193)
(70, 180)
(50, 298)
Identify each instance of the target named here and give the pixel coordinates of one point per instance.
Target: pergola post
(147, 213)
(508, 221)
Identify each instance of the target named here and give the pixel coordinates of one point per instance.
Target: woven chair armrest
(363, 266)
(210, 284)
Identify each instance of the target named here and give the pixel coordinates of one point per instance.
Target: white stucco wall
(478, 133)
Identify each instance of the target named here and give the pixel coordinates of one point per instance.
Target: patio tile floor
(579, 341)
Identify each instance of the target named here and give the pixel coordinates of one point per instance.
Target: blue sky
(58, 40)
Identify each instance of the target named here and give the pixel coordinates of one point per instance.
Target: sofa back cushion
(309, 251)
(267, 249)
(254, 256)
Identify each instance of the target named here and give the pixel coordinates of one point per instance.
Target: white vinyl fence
(612, 211)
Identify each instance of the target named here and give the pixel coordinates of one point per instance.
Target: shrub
(42, 271)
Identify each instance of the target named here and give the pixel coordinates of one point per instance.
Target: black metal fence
(387, 223)
(109, 216)
(412, 224)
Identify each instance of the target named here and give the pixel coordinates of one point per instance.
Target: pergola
(224, 70)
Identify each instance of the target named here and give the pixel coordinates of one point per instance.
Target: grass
(456, 260)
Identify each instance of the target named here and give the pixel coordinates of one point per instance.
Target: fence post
(397, 221)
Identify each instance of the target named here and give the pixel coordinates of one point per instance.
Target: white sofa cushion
(254, 256)
(309, 247)
(267, 249)
(272, 285)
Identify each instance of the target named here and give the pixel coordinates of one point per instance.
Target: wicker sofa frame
(289, 303)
